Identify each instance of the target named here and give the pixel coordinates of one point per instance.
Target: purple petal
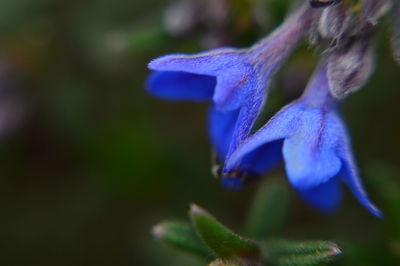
(181, 86)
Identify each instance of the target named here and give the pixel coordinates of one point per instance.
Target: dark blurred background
(89, 162)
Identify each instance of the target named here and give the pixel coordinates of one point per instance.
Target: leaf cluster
(208, 239)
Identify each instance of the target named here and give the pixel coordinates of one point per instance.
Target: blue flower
(315, 147)
(235, 80)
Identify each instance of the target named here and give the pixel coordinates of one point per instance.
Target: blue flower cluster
(308, 134)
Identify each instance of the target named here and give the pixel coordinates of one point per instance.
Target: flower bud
(334, 22)
(181, 17)
(13, 104)
(350, 66)
(373, 10)
(396, 31)
(323, 3)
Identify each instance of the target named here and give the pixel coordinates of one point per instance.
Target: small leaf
(182, 236)
(269, 210)
(223, 242)
(284, 252)
(219, 262)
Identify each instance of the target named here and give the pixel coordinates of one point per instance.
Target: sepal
(224, 243)
(182, 236)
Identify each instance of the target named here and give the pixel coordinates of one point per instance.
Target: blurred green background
(89, 161)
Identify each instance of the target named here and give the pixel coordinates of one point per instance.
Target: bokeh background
(89, 161)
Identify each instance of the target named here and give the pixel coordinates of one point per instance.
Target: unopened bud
(314, 37)
(350, 66)
(12, 102)
(334, 22)
(396, 31)
(323, 3)
(373, 10)
(181, 17)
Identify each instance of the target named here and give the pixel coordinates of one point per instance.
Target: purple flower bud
(314, 37)
(396, 31)
(373, 10)
(350, 66)
(12, 103)
(334, 22)
(181, 17)
(323, 3)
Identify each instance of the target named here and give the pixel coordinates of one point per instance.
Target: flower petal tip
(375, 211)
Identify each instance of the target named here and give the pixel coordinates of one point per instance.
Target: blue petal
(263, 158)
(232, 183)
(253, 165)
(181, 86)
(233, 74)
(310, 153)
(220, 128)
(326, 197)
(278, 127)
(210, 63)
(350, 176)
(234, 85)
(349, 173)
(248, 115)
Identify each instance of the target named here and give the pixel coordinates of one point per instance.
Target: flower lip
(229, 66)
(181, 86)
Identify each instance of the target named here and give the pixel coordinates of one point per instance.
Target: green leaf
(182, 236)
(284, 252)
(223, 242)
(269, 210)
